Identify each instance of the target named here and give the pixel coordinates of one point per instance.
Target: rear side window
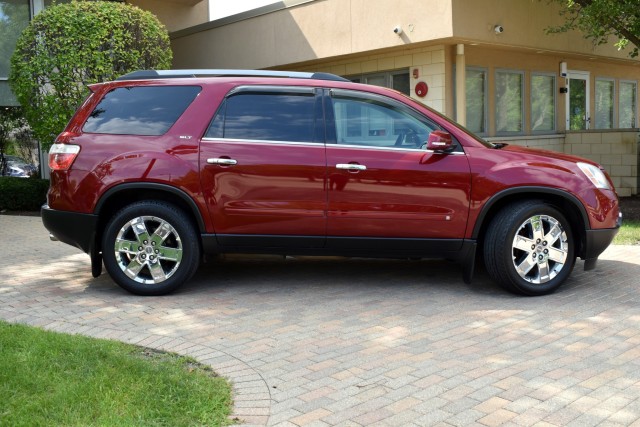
(140, 110)
(266, 116)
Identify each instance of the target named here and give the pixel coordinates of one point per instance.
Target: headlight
(595, 175)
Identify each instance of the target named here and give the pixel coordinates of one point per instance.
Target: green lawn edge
(50, 378)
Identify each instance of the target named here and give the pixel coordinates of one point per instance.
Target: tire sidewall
(184, 229)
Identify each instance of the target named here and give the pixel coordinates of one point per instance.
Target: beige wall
(316, 30)
(524, 22)
(176, 14)
(616, 151)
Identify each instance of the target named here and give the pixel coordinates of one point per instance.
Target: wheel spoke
(133, 269)
(525, 266)
(537, 227)
(553, 234)
(170, 254)
(140, 229)
(524, 244)
(543, 268)
(157, 272)
(126, 246)
(557, 255)
(161, 233)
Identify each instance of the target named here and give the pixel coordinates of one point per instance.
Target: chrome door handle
(351, 167)
(223, 162)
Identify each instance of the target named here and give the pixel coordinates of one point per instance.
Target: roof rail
(170, 74)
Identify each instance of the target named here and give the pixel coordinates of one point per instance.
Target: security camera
(398, 30)
(499, 29)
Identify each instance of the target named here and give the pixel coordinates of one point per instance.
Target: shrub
(22, 194)
(69, 46)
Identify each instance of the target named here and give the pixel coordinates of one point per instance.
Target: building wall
(616, 151)
(429, 61)
(312, 31)
(176, 15)
(525, 25)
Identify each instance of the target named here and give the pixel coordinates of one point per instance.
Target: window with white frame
(627, 104)
(543, 102)
(509, 91)
(605, 89)
(476, 94)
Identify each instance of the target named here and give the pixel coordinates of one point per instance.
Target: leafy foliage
(69, 46)
(600, 19)
(22, 194)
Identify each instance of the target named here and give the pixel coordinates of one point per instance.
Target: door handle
(351, 167)
(223, 162)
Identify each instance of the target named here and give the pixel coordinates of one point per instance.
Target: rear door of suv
(383, 183)
(263, 168)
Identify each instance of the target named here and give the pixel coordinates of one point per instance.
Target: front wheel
(150, 248)
(529, 248)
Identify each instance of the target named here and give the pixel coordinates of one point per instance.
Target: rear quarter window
(140, 110)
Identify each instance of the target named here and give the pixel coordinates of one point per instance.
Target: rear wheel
(529, 248)
(150, 248)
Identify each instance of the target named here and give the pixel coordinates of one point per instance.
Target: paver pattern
(316, 342)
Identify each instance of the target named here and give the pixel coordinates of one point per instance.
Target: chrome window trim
(319, 144)
(261, 141)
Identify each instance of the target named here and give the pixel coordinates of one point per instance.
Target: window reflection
(143, 110)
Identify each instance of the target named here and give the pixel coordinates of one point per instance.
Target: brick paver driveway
(361, 342)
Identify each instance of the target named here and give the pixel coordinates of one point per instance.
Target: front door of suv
(263, 168)
(383, 183)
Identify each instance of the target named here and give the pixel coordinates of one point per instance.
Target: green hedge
(22, 194)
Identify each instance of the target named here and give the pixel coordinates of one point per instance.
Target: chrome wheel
(148, 250)
(540, 249)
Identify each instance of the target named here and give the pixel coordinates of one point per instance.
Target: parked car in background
(18, 167)
(160, 167)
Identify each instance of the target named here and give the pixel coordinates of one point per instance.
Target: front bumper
(596, 241)
(73, 228)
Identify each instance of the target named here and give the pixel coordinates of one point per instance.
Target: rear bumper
(73, 228)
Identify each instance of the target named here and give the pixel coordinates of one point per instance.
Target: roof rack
(171, 74)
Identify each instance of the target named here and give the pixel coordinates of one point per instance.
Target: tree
(69, 46)
(601, 19)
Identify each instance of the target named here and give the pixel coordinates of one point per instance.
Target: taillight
(61, 156)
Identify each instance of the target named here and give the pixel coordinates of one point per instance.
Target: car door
(383, 183)
(263, 168)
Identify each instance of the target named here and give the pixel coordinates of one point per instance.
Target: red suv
(158, 168)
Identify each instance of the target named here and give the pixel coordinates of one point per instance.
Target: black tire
(511, 262)
(150, 248)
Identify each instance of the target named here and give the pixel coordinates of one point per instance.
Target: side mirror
(439, 140)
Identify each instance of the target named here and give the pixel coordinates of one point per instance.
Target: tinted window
(266, 116)
(140, 110)
(372, 123)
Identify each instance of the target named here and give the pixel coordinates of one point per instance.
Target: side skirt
(462, 251)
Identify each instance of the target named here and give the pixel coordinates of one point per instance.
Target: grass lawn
(629, 233)
(48, 378)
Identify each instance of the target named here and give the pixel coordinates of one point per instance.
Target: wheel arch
(122, 195)
(567, 203)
